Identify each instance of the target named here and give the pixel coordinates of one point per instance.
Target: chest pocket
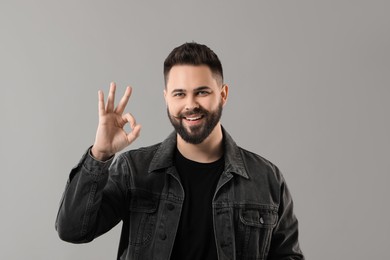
(142, 217)
(254, 230)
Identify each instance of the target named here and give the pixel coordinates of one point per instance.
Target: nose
(191, 103)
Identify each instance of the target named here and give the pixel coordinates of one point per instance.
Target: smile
(193, 118)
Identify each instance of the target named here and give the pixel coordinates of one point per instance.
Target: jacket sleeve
(284, 243)
(94, 199)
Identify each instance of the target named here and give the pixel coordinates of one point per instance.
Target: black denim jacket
(252, 207)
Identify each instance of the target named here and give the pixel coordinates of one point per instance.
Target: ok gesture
(110, 135)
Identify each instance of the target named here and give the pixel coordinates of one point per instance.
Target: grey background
(309, 90)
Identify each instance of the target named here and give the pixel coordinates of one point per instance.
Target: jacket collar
(234, 163)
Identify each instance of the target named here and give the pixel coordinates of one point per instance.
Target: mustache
(197, 110)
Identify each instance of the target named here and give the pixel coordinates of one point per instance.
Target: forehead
(190, 76)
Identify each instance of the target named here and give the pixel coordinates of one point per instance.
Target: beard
(198, 133)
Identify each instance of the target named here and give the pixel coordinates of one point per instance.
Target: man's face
(194, 101)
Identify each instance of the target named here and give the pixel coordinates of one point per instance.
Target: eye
(178, 94)
(202, 93)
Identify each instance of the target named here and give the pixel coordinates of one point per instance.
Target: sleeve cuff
(95, 166)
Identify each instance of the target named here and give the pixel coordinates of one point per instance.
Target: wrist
(100, 156)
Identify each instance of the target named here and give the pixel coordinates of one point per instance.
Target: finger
(134, 133)
(129, 118)
(122, 104)
(135, 129)
(111, 98)
(101, 103)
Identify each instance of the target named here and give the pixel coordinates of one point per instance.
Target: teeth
(193, 118)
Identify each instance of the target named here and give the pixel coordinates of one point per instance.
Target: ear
(224, 93)
(165, 95)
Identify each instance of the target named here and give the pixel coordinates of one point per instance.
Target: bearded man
(196, 195)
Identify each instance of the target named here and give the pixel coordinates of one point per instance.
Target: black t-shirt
(195, 235)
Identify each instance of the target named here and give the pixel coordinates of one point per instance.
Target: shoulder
(256, 158)
(136, 163)
(259, 167)
(141, 154)
(250, 164)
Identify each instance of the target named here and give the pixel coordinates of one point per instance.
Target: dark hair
(192, 53)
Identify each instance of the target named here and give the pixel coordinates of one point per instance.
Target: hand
(110, 136)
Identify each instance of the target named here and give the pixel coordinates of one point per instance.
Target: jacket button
(261, 220)
(170, 207)
(163, 236)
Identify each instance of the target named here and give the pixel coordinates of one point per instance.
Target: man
(196, 195)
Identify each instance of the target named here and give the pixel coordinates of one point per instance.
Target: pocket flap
(258, 217)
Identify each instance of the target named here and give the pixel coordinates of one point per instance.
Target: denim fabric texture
(252, 207)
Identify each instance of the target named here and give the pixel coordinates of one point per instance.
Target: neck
(210, 150)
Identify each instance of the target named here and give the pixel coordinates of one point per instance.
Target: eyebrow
(180, 90)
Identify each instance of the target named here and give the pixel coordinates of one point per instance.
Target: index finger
(101, 103)
(111, 98)
(122, 104)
